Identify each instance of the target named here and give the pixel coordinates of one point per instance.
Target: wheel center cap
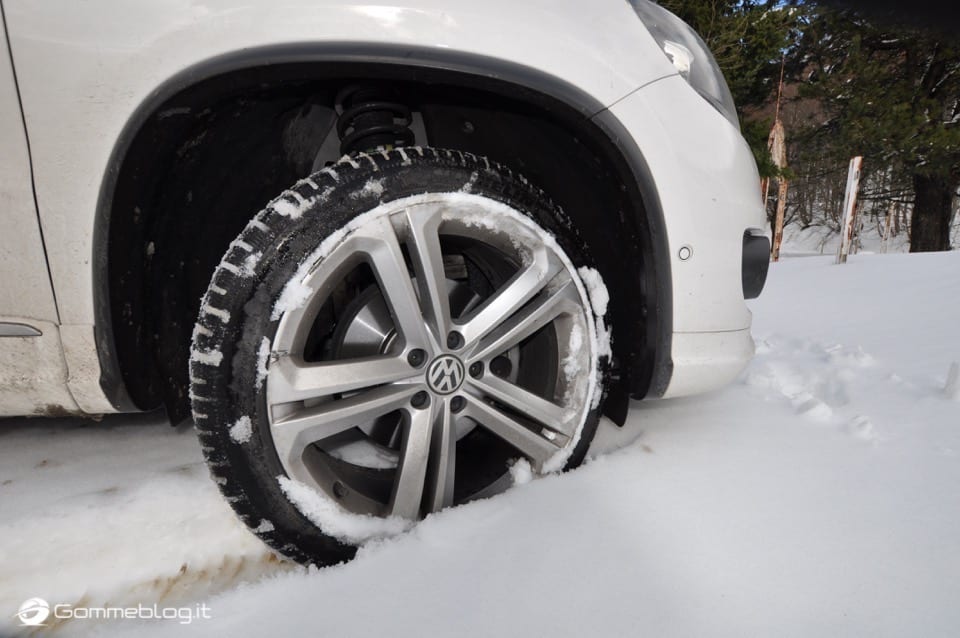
(445, 374)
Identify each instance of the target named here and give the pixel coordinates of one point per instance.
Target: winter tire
(398, 333)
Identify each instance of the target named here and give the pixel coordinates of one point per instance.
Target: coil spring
(369, 120)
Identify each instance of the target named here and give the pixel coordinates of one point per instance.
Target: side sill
(10, 329)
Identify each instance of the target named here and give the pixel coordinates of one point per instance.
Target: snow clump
(210, 358)
(263, 356)
(242, 430)
(571, 363)
(326, 514)
(521, 471)
(286, 208)
(372, 187)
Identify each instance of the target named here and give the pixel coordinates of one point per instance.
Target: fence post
(778, 220)
(777, 145)
(848, 223)
(886, 227)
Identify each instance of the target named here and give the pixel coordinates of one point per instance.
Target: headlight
(689, 55)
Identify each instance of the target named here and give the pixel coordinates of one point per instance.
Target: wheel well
(201, 162)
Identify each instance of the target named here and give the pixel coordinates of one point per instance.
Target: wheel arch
(125, 347)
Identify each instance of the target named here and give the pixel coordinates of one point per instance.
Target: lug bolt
(416, 357)
(454, 340)
(420, 400)
(476, 370)
(501, 366)
(457, 403)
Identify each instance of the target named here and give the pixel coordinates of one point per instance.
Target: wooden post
(777, 146)
(886, 227)
(778, 222)
(849, 219)
(857, 228)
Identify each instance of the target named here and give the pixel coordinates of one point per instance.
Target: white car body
(84, 70)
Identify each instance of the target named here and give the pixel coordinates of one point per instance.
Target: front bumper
(708, 188)
(706, 360)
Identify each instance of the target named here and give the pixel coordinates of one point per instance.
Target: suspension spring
(370, 120)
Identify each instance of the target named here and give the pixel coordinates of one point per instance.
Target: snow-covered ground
(819, 495)
(823, 240)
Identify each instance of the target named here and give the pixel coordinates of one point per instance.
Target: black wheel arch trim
(653, 380)
(655, 367)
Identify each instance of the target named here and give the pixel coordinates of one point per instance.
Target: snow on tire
(397, 333)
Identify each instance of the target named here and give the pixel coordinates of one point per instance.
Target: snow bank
(732, 514)
(121, 512)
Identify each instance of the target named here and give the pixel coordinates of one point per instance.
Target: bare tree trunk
(932, 210)
(849, 223)
(886, 227)
(778, 220)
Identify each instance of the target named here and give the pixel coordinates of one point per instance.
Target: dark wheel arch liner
(655, 367)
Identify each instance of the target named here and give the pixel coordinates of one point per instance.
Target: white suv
(480, 227)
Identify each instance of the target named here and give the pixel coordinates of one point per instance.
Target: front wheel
(396, 334)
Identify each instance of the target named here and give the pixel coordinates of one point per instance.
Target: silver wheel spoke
(526, 403)
(515, 293)
(533, 445)
(541, 310)
(424, 246)
(293, 380)
(412, 470)
(293, 433)
(386, 259)
(443, 460)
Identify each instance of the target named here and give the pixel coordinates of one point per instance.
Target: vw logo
(445, 374)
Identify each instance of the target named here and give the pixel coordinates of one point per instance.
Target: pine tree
(892, 94)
